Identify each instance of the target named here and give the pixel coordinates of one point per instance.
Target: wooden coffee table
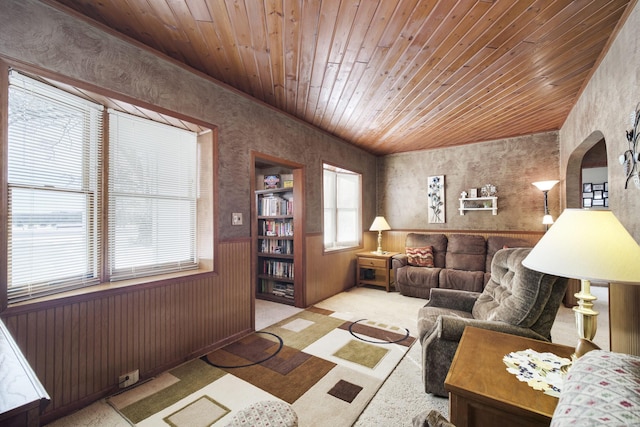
(483, 393)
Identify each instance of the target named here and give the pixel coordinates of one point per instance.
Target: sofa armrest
(399, 260)
(451, 328)
(452, 299)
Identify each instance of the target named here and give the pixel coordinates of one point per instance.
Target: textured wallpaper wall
(603, 109)
(509, 164)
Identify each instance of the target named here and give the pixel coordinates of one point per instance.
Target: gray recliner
(516, 300)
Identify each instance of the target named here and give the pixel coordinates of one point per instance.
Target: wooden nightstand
(374, 269)
(483, 393)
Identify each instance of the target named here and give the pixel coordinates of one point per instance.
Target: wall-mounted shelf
(479, 204)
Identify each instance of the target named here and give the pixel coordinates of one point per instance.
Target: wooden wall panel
(79, 346)
(624, 318)
(394, 240)
(327, 274)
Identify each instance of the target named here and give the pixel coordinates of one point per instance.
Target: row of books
(283, 290)
(279, 289)
(274, 205)
(277, 268)
(272, 227)
(284, 247)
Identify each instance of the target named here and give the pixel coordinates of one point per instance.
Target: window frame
(356, 243)
(207, 140)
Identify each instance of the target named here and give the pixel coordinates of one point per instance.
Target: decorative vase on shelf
(488, 190)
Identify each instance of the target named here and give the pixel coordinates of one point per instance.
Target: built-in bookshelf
(278, 253)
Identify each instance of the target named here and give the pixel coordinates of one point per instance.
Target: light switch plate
(236, 218)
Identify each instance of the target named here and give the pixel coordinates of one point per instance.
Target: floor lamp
(545, 186)
(590, 245)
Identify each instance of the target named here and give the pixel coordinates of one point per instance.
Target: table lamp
(379, 224)
(590, 245)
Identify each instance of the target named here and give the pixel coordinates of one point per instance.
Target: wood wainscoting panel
(394, 240)
(327, 273)
(624, 318)
(79, 346)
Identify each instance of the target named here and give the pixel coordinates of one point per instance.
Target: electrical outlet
(236, 218)
(129, 379)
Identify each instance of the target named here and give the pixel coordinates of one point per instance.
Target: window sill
(336, 249)
(107, 287)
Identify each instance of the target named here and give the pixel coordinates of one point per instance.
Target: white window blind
(341, 207)
(152, 197)
(53, 189)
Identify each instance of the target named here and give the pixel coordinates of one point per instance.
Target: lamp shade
(545, 185)
(588, 245)
(379, 224)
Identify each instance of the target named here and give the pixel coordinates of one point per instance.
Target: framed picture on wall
(436, 201)
(595, 195)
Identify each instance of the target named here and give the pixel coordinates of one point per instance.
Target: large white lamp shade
(590, 245)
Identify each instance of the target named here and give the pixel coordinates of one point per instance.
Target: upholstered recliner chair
(516, 300)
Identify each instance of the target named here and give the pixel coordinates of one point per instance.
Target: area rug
(327, 365)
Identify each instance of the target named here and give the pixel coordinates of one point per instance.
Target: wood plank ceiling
(389, 76)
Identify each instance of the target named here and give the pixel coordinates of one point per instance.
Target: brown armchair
(516, 300)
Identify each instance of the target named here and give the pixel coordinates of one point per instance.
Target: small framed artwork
(598, 187)
(587, 195)
(436, 201)
(587, 202)
(598, 202)
(473, 192)
(597, 194)
(587, 187)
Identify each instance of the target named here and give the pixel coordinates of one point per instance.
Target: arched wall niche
(573, 179)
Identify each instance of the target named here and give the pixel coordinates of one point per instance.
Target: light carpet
(402, 395)
(328, 365)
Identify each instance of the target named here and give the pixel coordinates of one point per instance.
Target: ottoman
(270, 413)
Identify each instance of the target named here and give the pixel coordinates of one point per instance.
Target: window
(342, 205)
(57, 186)
(53, 189)
(152, 197)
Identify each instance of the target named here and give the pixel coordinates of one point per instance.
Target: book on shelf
(277, 228)
(277, 268)
(285, 290)
(272, 205)
(283, 247)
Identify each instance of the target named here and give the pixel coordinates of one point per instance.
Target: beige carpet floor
(401, 396)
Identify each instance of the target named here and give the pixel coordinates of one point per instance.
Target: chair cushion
(514, 294)
(428, 317)
(466, 252)
(463, 280)
(495, 243)
(437, 241)
(420, 257)
(416, 281)
(601, 388)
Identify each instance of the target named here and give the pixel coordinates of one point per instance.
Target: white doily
(542, 371)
